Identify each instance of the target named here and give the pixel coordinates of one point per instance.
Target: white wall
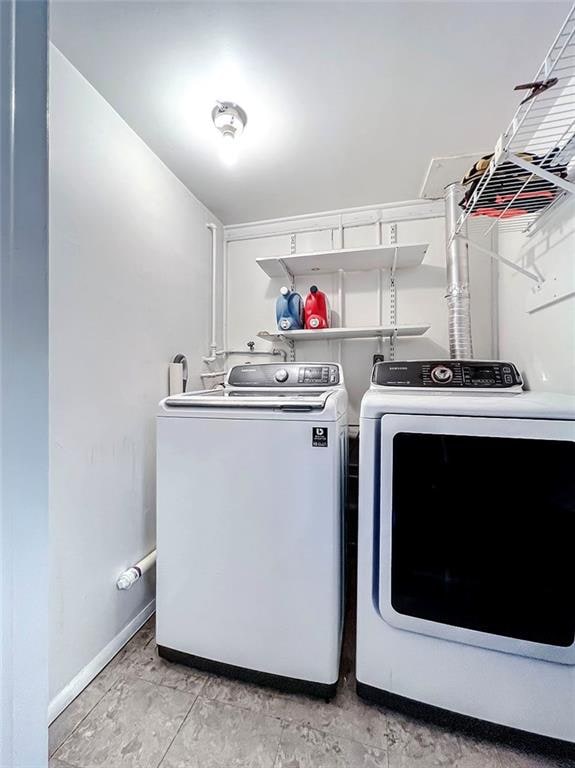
(251, 294)
(129, 287)
(23, 384)
(537, 330)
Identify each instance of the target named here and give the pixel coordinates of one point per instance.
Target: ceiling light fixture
(230, 120)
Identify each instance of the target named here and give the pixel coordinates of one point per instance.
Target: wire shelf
(533, 166)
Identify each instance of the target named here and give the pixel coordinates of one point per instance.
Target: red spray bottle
(316, 309)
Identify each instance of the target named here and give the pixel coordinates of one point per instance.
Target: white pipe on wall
(129, 577)
(275, 352)
(213, 343)
(225, 294)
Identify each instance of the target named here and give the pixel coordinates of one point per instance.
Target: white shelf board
(349, 259)
(443, 171)
(331, 334)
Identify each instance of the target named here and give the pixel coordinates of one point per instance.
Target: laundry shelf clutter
(533, 164)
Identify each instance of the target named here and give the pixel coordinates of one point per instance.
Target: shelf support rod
(392, 314)
(380, 308)
(287, 273)
(542, 173)
(379, 288)
(531, 275)
(393, 292)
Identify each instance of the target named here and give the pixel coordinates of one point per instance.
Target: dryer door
(477, 531)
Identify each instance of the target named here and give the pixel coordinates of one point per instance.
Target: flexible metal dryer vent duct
(458, 294)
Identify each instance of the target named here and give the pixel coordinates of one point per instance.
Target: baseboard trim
(89, 672)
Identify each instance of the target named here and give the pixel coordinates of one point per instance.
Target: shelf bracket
(281, 339)
(526, 272)
(393, 291)
(287, 273)
(392, 313)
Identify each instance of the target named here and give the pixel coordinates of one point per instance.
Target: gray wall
(537, 328)
(129, 287)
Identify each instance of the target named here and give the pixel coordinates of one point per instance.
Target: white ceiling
(347, 102)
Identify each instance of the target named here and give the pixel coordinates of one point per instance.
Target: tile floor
(143, 712)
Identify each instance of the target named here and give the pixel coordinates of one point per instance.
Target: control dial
(281, 375)
(441, 374)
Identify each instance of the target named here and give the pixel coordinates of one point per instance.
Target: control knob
(281, 375)
(441, 374)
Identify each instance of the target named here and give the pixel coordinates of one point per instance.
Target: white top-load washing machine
(466, 564)
(251, 482)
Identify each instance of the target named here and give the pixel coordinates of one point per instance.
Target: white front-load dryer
(249, 526)
(466, 577)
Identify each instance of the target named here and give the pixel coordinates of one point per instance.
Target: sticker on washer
(319, 437)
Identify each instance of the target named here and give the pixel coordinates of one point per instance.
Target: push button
(508, 379)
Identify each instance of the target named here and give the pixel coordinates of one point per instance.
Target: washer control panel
(269, 375)
(447, 374)
(318, 374)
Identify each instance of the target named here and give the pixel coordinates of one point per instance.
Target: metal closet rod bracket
(537, 278)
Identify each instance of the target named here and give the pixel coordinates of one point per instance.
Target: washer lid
(293, 401)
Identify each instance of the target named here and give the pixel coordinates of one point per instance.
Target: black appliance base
(282, 683)
(472, 726)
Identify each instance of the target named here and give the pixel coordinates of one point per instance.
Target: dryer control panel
(447, 374)
(269, 375)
